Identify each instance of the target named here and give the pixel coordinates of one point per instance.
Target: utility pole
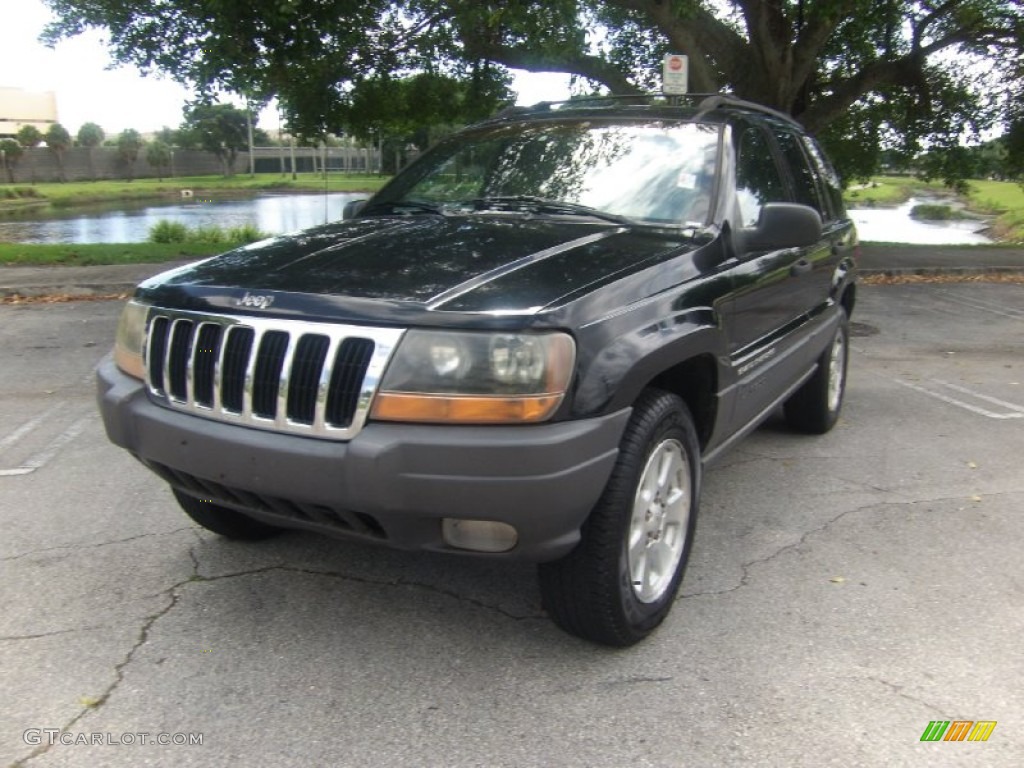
(252, 154)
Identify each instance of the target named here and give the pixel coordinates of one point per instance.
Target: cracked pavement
(843, 591)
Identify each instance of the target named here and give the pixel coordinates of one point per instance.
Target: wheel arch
(848, 298)
(695, 380)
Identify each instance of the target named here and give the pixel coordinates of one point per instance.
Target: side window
(757, 177)
(805, 185)
(833, 186)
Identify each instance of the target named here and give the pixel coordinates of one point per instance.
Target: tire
(815, 407)
(620, 581)
(224, 521)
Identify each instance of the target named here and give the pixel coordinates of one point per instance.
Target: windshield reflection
(651, 172)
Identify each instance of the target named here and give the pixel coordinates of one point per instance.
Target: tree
(29, 137)
(57, 141)
(90, 136)
(413, 109)
(218, 128)
(158, 155)
(129, 143)
(11, 151)
(866, 75)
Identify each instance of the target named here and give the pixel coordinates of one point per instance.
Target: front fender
(620, 371)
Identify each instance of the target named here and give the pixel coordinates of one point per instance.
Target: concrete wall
(40, 164)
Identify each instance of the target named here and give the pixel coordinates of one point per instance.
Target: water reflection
(131, 224)
(894, 225)
(289, 213)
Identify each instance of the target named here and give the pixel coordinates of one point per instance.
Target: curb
(85, 290)
(939, 271)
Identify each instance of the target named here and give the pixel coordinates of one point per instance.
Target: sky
(88, 90)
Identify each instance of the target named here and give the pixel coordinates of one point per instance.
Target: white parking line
(983, 305)
(979, 396)
(44, 456)
(29, 425)
(1017, 412)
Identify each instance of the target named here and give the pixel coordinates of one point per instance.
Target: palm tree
(58, 140)
(158, 155)
(90, 136)
(128, 145)
(29, 137)
(11, 151)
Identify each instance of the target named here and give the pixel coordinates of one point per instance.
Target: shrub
(176, 232)
(247, 233)
(207, 234)
(935, 213)
(168, 232)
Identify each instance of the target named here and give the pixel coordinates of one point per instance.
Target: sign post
(675, 74)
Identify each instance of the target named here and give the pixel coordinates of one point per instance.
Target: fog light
(479, 535)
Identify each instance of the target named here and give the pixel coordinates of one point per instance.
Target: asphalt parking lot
(844, 591)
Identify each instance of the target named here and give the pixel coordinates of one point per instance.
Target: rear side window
(757, 176)
(805, 185)
(833, 186)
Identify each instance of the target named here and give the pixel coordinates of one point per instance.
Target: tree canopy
(218, 128)
(866, 75)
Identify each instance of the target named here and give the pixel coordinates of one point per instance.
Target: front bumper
(392, 483)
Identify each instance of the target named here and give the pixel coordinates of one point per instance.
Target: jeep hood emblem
(254, 300)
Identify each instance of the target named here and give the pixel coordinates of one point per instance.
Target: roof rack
(717, 100)
(704, 102)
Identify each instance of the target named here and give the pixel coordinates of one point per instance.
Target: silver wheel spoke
(659, 522)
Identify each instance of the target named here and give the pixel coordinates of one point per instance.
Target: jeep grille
(314, 379)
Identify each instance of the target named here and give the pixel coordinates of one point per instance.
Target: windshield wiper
(403, 206)
(542, 205)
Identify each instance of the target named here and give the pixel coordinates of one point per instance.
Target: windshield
(656, 173)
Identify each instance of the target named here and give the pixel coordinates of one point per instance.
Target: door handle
(801, 267)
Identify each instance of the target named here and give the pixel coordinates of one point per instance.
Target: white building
(19, 107)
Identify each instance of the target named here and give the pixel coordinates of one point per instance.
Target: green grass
(1004, 200)
(27, 254)
(16, 196)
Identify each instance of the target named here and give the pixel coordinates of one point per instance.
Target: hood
(465, 263)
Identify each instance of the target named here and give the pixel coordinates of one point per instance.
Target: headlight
(131, 332)
(475, 378)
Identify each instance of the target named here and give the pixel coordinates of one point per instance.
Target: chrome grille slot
(343, 391)
(207, 352)
(314, 379)
(236, 360)
(267, 373)
(179, 356)
(307, 366)
(157, 348)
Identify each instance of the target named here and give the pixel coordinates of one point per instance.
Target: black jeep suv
(529, 344)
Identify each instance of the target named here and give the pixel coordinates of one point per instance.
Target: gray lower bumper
(392, 482)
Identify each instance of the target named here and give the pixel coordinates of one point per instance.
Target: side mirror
(782, 225)
(352, 209)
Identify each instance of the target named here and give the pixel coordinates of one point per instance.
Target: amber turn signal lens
(463, 409)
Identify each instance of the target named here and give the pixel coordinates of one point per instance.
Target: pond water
(287, 213)
(894, 225)
(131, 224)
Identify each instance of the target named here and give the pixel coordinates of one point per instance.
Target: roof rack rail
(714, 101)
(704, 102)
